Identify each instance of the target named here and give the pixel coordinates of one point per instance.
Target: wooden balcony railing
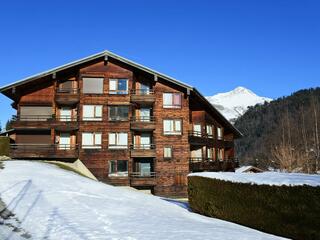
(138, 179)
(45, 151)
(208, 164)
(142, 92)
(68, 90)
(142, 146)
(143, 174)
(145, 119)
(69, 96)
(143, 96)
(143, 150)
(32, 118)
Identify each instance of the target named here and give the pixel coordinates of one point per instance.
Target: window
(172, 100)
(220, 154)
(118, 140)
(118, 86)
(197, 130)
(167, 152)
(91, 140)
(92, 85)
(172, 127)
(210, 153)
(219, 132)
(210, 131)
(118, 168)
(118, 113)
(92, 113)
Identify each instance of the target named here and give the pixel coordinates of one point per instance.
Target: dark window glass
(122, 165)
(118, 113)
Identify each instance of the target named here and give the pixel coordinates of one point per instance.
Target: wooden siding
(170, 178)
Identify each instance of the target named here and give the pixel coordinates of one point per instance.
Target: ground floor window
(118, 168)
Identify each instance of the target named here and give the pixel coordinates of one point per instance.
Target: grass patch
(287, 211)
(4, 146)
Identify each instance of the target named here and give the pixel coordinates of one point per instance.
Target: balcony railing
(142, 146)
(208, 164)
(69, 96)
(142, 92)
(143, 150)
(146, 119)
(67, 90)
(143, 174)
(44, 151)
(33, 118)
(143, 96)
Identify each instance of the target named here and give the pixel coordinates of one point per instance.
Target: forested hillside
(283, 133)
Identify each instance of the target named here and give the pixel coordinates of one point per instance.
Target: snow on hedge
(53, 203)
(268, 178)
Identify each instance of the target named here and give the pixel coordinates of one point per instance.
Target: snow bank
(52, 203)
(268, 178)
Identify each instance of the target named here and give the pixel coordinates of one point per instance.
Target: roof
(4, 133)
(105, 54)
(244, 169)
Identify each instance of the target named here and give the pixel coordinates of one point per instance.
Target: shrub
(4, 146)
(289, 211)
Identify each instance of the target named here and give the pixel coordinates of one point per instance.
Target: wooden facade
(153, 157)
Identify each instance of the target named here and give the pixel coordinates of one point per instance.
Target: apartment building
(129, 125)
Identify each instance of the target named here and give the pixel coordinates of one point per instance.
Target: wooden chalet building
(129, 124)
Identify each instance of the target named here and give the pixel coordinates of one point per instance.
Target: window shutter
(93, 85)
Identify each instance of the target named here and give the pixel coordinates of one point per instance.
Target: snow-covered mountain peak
(235, 103)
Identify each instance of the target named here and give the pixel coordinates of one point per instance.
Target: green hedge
(4, 146)
(292, 212)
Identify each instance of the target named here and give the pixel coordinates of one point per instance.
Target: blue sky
(271, 47)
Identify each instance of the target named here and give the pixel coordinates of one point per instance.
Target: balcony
(143, 123)
(60, 123)
(142, 179)
(32, 122)
(66, 123)
(143, 96)
(199, 138)
(206, 164)
(44, 151)
(67, 96)
(143, 150)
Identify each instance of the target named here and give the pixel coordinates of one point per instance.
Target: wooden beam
(106, 59)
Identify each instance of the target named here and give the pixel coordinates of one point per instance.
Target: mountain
(235, 103)
(283, 133)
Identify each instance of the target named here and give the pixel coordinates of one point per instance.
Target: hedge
(288, 211)
(4, 146)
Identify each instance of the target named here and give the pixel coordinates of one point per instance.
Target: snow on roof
(52, 203)
(245, 168)
(267, 178)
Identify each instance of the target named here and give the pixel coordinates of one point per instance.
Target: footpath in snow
(51, 203)
(268, 178)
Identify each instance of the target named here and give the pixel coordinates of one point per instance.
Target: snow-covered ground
(268, 178)
(51, 203)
